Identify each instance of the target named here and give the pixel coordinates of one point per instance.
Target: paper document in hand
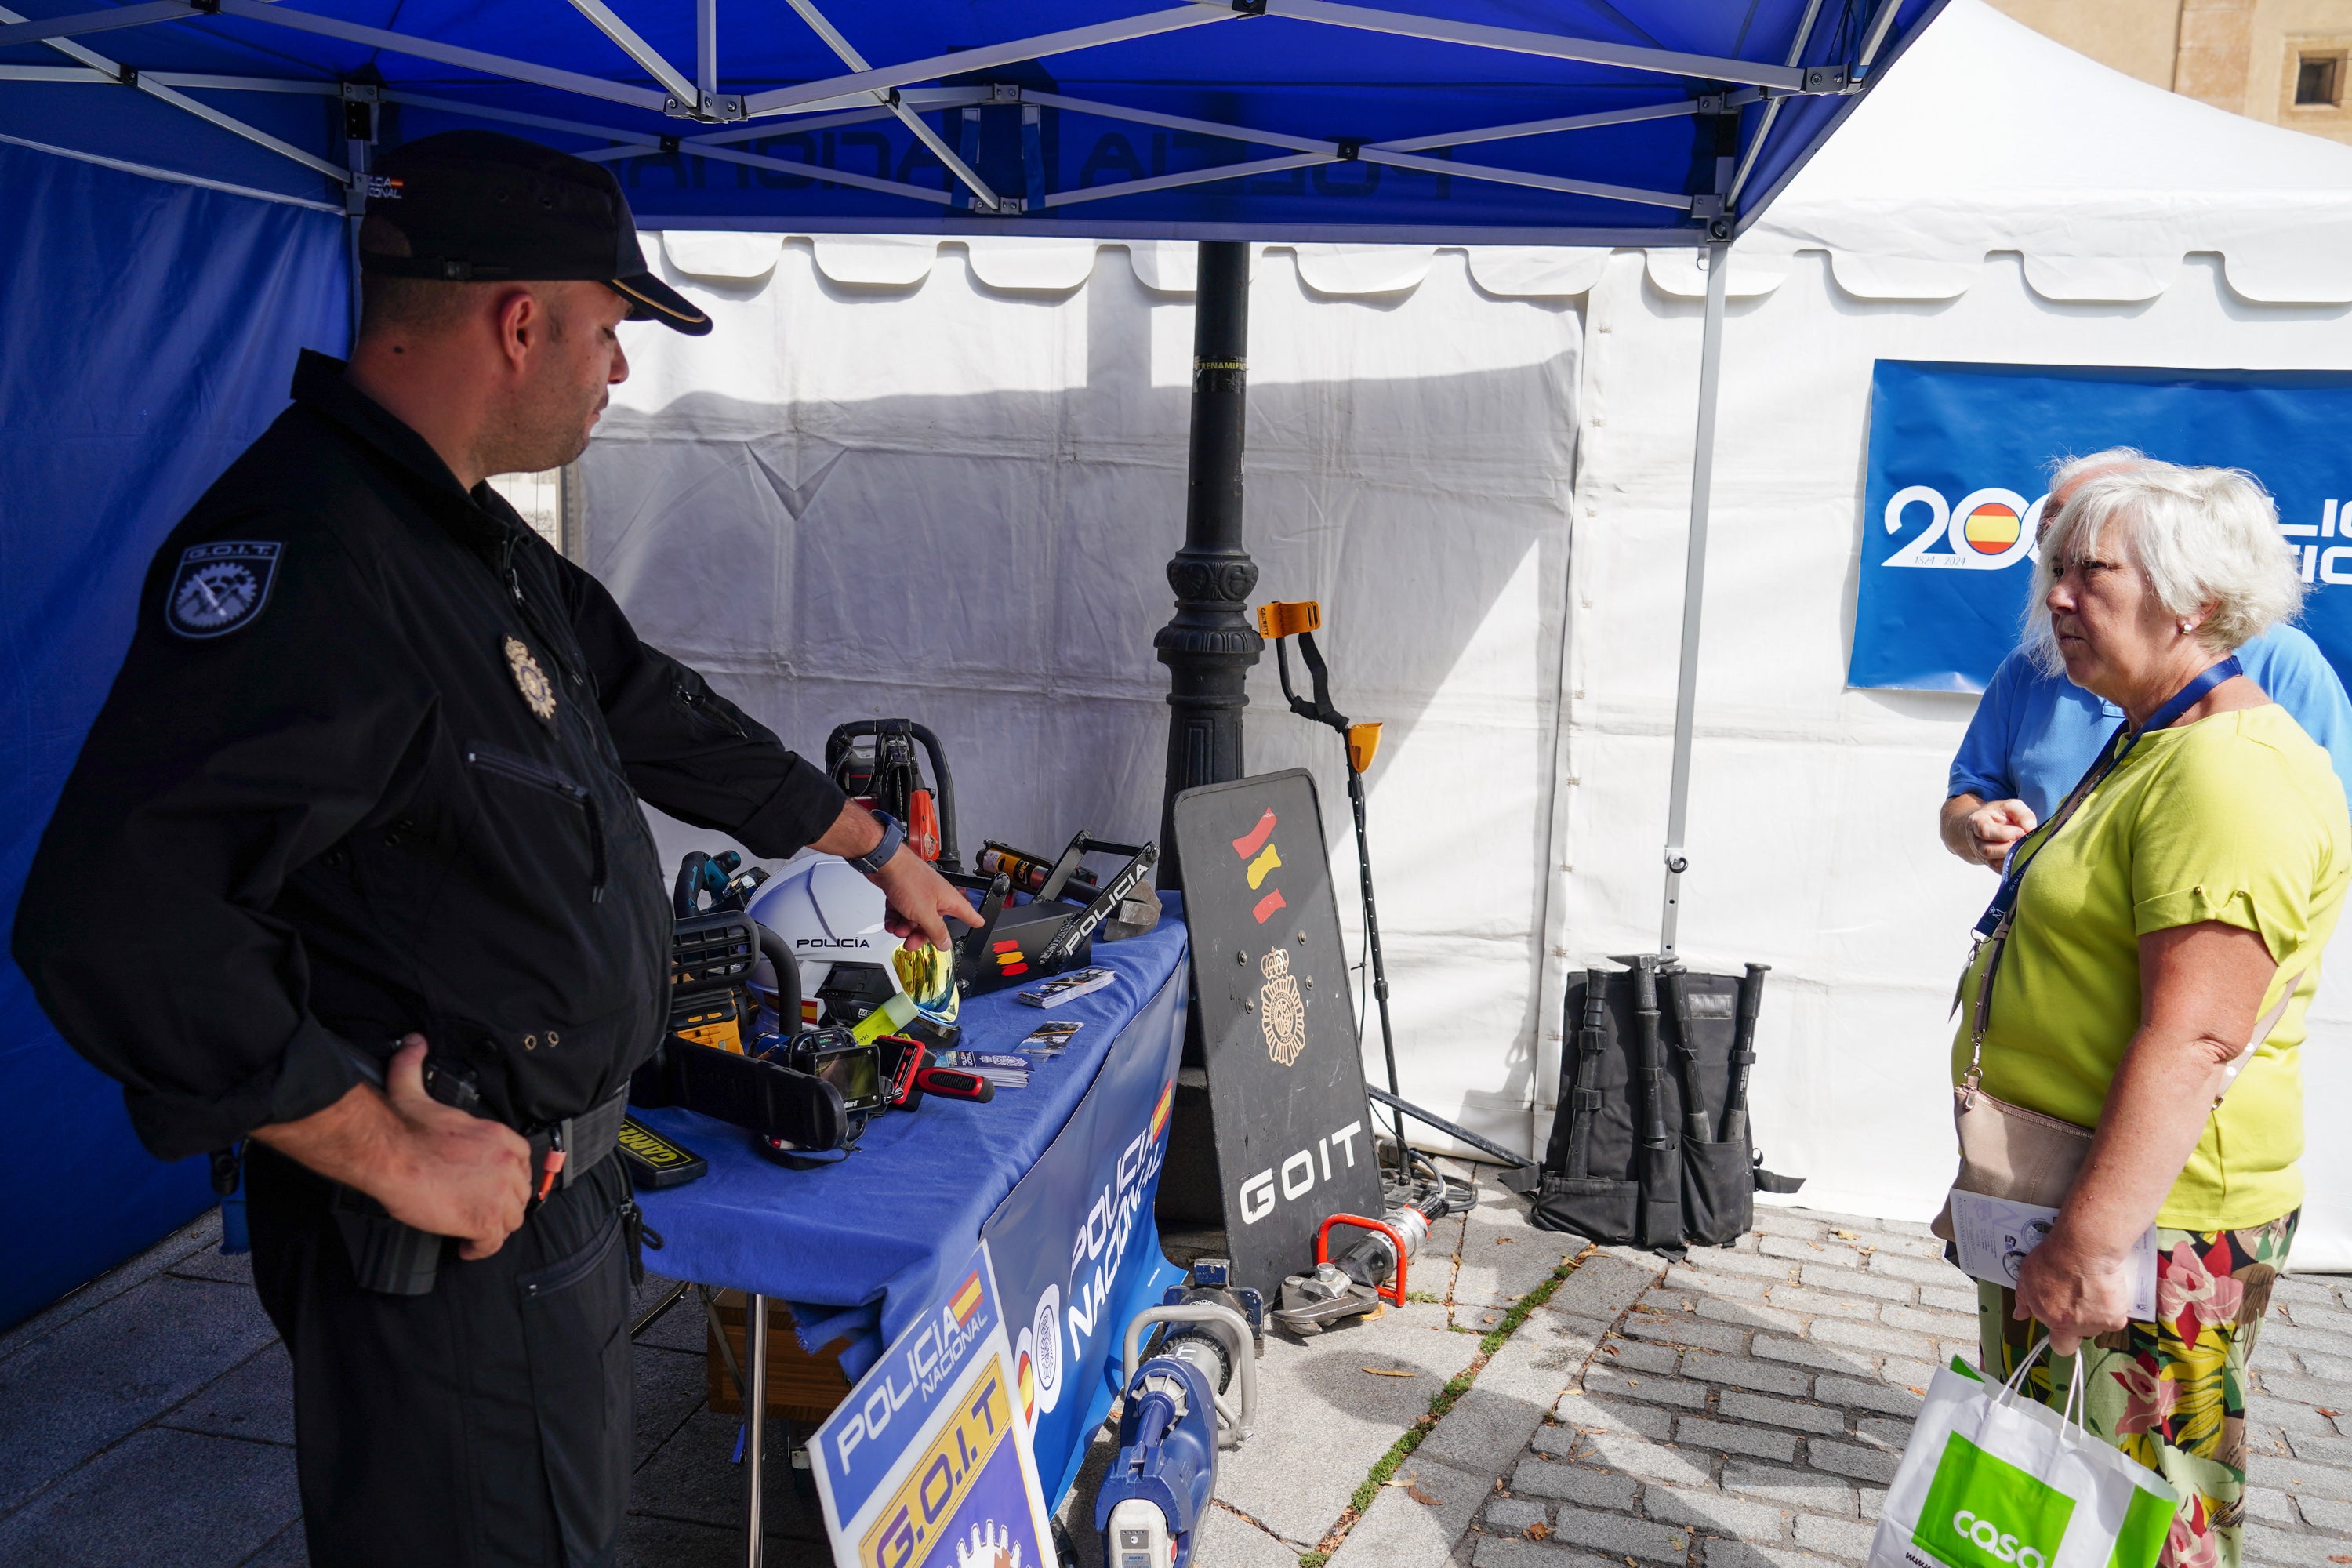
(1993, 1236)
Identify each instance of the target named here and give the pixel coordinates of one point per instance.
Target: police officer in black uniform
(372, 764)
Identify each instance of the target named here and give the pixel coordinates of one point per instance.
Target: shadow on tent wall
(991, 563)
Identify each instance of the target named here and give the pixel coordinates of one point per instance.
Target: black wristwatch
(874, 859)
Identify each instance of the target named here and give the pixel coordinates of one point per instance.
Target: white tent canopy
(938, 478)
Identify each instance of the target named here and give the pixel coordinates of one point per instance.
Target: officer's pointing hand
(921, 900)
(458, 1175)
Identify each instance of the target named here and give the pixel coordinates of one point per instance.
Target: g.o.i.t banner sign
(927, 1463)
(1959, 462)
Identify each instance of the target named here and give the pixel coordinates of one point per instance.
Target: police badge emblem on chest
(220, 587)
(531, 680)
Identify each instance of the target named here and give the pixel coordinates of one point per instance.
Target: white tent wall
(941, 479)
(1998, 199)
(885, 484)
(1813, 842)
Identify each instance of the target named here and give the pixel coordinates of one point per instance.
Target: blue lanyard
(2110, 757)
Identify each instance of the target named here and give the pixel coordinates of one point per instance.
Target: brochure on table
(927, 1463)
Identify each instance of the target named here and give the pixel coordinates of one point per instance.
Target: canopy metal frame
(865, 91)
(865, 87)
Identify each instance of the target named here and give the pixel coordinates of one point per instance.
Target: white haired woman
(2171, 911)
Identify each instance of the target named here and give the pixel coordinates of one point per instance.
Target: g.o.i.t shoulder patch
(220, 587)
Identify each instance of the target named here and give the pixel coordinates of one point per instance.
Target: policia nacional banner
(1960, 460)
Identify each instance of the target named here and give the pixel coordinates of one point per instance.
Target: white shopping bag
(1991, 1478)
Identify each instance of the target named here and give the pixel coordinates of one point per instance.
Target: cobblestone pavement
(1743, 1407)
(1750, 1405)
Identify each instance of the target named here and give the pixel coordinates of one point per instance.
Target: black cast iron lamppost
(1211, 643)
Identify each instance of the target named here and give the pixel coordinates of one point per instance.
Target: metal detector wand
(1372, 930)
(1300, 618)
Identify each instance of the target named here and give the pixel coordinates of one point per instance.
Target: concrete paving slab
(288, 1551)
(1335, 1419)
(692, 1478)
(1516, 1390)
(1229, 1540)
(1416, 1524)
(160, 1500)
(671, 1386)
(685, 1327)
(1504, 1258)
(1556, 1352)
(202, 1231)
(1078, 1511)
(255, 1401)
(209, 1262)
(1479, 1319)
(1434, 1271)
(1485, 1430)
(647, 1542)
(105, 1372)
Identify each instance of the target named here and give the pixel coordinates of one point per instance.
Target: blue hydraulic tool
(1176, 1417)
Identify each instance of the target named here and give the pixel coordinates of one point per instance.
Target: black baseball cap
(477, 206)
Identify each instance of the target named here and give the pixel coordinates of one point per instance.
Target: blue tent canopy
(152, 309)
(1549, 121)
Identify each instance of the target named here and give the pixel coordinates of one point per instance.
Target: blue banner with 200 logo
(1960, 460)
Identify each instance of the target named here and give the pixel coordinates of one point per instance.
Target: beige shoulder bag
(2009, 1152)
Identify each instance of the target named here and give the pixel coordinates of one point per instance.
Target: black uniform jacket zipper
(707, 713)
(538, 775)
(512, 577)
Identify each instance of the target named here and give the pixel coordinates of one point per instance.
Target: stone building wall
(2286, 62)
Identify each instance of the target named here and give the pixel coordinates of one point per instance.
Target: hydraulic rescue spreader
(1176, 1416)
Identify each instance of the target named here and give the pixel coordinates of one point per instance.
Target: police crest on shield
(1282, 1016)
(220, 587)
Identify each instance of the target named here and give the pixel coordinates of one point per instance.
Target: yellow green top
(2237, 818)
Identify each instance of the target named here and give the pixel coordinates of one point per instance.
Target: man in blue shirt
(2035, 735)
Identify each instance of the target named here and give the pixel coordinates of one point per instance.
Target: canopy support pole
(705, 49)
(1710, 368)
(1210, 645)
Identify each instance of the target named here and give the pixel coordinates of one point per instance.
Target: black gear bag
(1650, 1143)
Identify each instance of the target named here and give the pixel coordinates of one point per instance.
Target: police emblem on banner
(537, 694)
(220, 587)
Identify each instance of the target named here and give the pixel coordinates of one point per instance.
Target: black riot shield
(1292, 1128)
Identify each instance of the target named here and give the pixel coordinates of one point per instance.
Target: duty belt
(587, 1140)
(396, 1259)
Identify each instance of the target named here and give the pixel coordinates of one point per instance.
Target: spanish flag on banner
(1992, 528)
(966, 1302)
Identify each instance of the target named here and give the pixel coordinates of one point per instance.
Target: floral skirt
(2170, 1393)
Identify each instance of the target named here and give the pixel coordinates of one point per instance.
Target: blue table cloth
(858, 1249)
